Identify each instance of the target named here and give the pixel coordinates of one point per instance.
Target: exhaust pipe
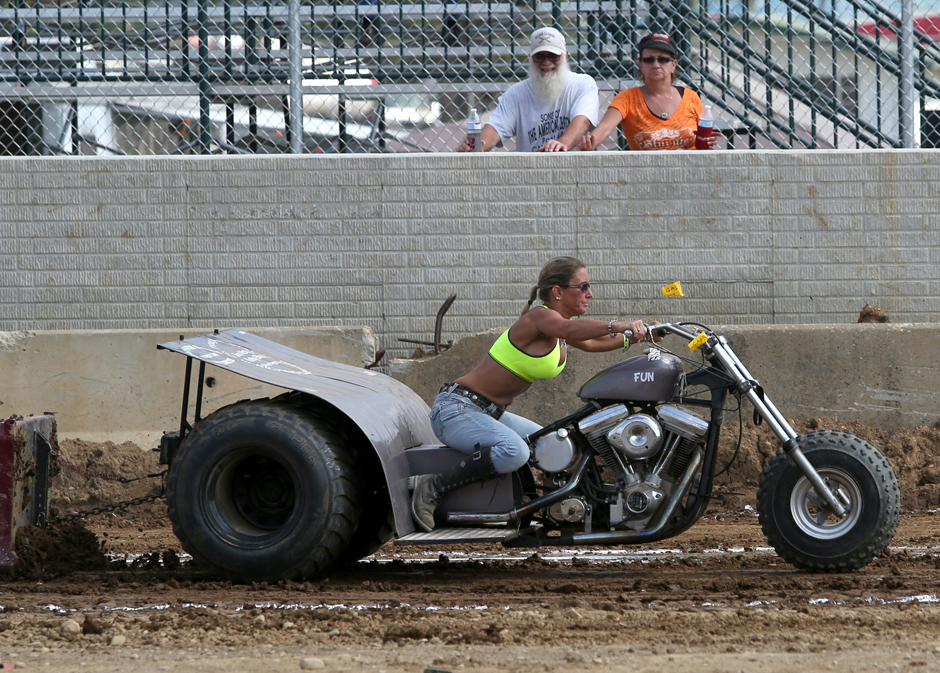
(607, 537)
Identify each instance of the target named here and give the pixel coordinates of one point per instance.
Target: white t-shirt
(534, 122)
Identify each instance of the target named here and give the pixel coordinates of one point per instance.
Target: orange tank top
(644, 131)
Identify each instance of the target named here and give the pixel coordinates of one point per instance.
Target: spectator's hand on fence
(587, 142)
(553, 146)
(464, 146)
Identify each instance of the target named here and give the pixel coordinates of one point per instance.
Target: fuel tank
(654, 377)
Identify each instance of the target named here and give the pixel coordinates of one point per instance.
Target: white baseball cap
(547, 39)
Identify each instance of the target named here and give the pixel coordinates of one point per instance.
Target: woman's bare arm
(609, 122)
(555, 325)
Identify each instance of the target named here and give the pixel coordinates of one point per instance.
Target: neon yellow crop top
(525, 366)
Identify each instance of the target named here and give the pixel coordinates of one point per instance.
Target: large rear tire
(264, 491)
(376, 527)
(799, 525)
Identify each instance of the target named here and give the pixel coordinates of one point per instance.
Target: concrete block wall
(115, 385)
(756, 237)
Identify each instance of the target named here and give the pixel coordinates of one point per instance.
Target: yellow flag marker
(673, 290)
(698, 341)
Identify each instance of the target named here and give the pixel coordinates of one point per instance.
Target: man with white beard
(549, 111)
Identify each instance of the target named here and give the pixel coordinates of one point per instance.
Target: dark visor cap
(656, 41)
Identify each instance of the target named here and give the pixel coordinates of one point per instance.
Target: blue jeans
(460, 424)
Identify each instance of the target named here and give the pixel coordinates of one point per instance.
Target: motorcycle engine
(646, 454)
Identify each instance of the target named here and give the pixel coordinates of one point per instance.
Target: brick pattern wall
(382, 240)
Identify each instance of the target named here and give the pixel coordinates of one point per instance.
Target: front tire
(264, 491)
(801, 528)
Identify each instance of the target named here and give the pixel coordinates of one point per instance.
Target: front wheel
(800, 525)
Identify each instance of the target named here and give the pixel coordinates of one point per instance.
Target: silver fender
(390, 414)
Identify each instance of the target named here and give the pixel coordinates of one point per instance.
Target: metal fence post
(906, 90)
(295, 44)
(205, 132)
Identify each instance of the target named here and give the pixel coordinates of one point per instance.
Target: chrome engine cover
(602, 420)
(555, 452)
(683, 423)
(572, 510)
(642, 499)
(638, 437)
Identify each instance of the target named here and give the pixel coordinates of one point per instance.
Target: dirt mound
(81, 482)
(55, 551)
(871, 313)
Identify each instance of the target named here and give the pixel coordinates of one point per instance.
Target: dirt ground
(114, 592)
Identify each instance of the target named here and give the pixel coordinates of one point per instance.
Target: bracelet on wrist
(610, 329)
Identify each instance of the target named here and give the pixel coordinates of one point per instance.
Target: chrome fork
(748, 385)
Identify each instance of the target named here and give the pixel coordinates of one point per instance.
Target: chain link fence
(131, 77)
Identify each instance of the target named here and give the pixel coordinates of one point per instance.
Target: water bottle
(704, 131)
(474, 131)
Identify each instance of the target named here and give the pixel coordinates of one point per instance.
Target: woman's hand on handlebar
(656, 335)
(638, 331)
(635, 330)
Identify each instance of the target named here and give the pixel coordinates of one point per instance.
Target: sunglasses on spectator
(662, 60)
(584, 287)
(545, 56)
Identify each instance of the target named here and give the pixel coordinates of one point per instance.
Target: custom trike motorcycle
(318, 477)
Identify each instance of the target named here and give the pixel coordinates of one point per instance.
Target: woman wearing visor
(470, 413)
(658, 115)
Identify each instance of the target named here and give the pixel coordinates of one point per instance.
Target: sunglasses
(545, 56)
(662, 60)
(584, 287)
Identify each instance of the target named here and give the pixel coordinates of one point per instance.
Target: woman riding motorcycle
(470, 414)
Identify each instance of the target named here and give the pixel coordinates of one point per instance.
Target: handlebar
(649, 332)
(668, 328)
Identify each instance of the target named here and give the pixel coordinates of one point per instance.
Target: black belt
(489, 407)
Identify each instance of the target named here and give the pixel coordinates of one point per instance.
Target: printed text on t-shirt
(549, 127)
